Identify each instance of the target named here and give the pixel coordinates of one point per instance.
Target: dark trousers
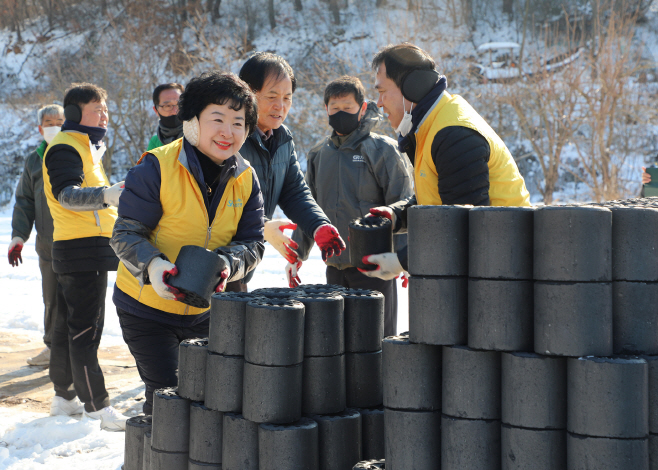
(79, 319)
(49, 291)
(351, 277)
(154, 346)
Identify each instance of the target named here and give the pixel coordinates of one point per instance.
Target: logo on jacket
(236, 203)
(423, 174)
(358, 158)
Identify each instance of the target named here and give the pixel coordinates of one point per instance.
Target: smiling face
(390, 97)
(94, 114)
(221, 131)
(274, 101)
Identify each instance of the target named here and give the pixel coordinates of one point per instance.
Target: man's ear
(40, 130)
(364, 107)
(156, 111)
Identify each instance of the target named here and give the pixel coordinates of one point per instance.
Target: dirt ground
(29, 387)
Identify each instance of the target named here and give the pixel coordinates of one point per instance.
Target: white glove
(159, 269)
(291, 274)
(285, 245)
(111, 195)
(389, 266)
(382, 211)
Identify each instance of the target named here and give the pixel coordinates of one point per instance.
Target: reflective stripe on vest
(70, 225)
(506, 185)
(185, 220)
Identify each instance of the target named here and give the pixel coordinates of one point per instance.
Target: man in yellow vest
(458, 158)
(83, 206)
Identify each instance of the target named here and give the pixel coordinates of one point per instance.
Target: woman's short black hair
(263, 65)
(218, 88)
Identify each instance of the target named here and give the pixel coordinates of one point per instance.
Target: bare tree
(271, 13)
(547, 107)
(615, 111)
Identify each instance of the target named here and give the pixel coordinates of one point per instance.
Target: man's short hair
(400, 59)
(343, 86)
(49, 110)
(165, 86)
(263, 65)
(218, 88)
(82, 93)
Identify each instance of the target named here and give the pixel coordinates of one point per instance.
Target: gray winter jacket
(282, 181)
(365, 171)
(31, 205)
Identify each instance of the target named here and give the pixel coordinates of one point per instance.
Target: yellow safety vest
(185, 220)
(506, 185)
(70, 225)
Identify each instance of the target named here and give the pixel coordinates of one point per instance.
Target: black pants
(154, 346)
(351, 277)
(49, 291)
(79, 319)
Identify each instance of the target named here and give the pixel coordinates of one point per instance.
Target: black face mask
(344, 123)
(170, 122)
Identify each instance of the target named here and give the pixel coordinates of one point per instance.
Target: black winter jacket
(461, 157)
(282, 181)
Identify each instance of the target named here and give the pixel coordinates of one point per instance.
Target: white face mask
(405, 125)
(49, 133)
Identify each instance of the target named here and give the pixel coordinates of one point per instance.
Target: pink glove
(14, 252)
(328, 240)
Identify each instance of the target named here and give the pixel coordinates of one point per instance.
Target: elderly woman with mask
(197, 190)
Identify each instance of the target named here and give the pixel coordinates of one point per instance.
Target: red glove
(382, 211)
(14, 252)
(328, 240)
(221, 287)
(405, 280)
(291, 274)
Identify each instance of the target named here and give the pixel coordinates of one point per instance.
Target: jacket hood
(368, 123)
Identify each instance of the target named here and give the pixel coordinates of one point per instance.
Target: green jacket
(154, 143)
(365, 171)
(31, 207)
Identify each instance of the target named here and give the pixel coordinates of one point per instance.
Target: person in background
(271, 151)
(348, 173)
(165, 106)
(197, 190)
(83, 207)
(31, 208)
(457, 157)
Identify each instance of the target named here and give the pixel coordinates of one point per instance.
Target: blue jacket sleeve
(140, 199)
(250, 227)
(297, 202)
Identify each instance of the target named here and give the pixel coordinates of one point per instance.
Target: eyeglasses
(168, 107)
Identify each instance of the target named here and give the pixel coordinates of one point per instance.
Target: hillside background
(580, 132)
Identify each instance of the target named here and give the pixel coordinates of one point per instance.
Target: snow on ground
(37, 441)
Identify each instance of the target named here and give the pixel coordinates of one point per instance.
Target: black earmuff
(72, 112)
(418, 83)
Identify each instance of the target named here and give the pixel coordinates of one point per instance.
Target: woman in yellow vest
(197, 190)
(457, 156)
